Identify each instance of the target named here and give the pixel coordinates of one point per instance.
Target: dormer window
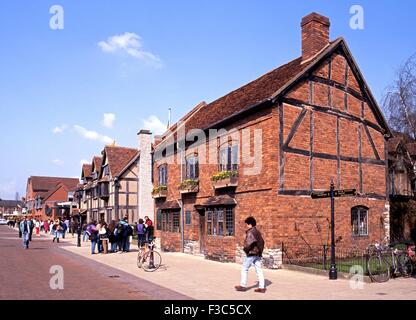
(95, 175)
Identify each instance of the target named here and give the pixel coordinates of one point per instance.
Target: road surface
(25, 274)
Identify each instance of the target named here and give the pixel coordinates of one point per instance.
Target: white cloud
(59, 130)
(129, 43)
(92, 135)
(154, 124)
(58, 162)
(108, 120)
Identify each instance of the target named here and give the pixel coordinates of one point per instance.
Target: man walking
(24, 228)
(253, 247)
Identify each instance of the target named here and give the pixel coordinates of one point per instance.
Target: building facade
(44, 193)
(118, 184)
(269, 145)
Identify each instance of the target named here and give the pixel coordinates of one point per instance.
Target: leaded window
(359, 221)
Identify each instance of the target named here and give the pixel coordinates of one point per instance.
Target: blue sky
(188, 51)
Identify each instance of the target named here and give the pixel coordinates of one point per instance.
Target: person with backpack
(149, 229)
(112, 238)
(93, 232)
(253, 247)
(141, 233)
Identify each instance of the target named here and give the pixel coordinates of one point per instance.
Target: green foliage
(188, 183)
(224, 175)
(159, 189)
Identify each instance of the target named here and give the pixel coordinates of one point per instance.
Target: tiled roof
(11, 204)
(86, 170)
(393, 143)
(246, 96)
(118, 158)
(45, 184)
(411, 147)
(97, 163)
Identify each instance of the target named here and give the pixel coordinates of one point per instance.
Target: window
(95, 175)
(170, 221)
(109, 215)
(163, 175)
(192, 167)
(229, 158)
(188, 217)
(159, 220)
(220, 222)
(106, 171)
(359, 221)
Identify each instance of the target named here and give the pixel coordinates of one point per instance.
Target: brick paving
(25, 274)
(181, 277)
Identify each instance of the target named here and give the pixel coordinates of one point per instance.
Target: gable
(337, 84)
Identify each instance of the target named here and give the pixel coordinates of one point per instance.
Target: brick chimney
(315, 35)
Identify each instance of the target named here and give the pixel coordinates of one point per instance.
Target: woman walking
(46, 226)
(141, 233)
(37, 228)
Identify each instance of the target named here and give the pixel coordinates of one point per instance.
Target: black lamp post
(333, 273)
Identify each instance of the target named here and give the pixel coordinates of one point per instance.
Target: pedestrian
(141, 233)
(24, 228)
(149, 229)
(102, 233)
(58, 227)
(86, 235)
(46, 226)
(31, 227)
(92, 230)
(253, 247)
(64, 226)
(112, 228)
(37, 228)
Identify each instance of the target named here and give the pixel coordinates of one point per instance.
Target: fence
(319, 257)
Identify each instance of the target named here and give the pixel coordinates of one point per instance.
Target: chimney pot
(315, 34)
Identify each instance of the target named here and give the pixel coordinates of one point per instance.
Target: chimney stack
(315, 35)
(145, 200)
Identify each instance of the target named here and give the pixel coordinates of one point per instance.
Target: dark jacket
(254, 243)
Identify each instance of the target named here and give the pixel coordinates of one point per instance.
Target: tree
(400, 99)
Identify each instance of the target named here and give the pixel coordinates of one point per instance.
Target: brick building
(8, 208)
(317, 122)
(118, 183)
(44, 193)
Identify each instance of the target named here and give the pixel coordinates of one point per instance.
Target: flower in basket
(224, 175)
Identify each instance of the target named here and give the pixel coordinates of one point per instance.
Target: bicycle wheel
(405, 265)
(151, 261)
(139, 260)
(378, 269)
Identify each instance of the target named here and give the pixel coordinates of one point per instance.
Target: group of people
(29, 226)
(117, 235)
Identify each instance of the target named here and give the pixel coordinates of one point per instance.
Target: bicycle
(380, 269)
(149, 260)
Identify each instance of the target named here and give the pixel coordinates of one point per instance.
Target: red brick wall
(289, 219)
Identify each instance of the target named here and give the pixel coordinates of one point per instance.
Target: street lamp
(333, 273)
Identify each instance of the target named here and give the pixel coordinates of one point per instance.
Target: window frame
(162, 171)
(228, 157)
(220, 221)
(191, 168)
(359, 214)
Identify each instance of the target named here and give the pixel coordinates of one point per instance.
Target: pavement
(185, 276)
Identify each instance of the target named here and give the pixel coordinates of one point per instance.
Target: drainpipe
(181, 205)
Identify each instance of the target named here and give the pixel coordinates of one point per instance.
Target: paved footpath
(25, 274)
(184, 276)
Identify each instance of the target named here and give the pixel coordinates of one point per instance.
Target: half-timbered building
(318, 123)
(118, 183)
